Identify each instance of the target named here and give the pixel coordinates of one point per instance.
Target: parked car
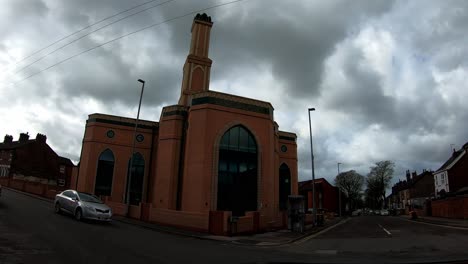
(82, 206)
(377, 212)
(384, 212)
(356, 212)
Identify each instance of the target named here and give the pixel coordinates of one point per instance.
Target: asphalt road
(31, 233)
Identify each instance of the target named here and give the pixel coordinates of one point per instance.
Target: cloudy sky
(388, 78)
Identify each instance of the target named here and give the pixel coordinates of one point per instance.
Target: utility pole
(129, 181)
(314, 211)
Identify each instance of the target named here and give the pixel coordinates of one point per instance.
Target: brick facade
(182, 153)
(326, 195)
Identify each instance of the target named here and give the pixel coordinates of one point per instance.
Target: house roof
(19, 144)
(15, 144)
(421, 176)
(308, 184)
(403, 185)
(456, 155)
(65, 161)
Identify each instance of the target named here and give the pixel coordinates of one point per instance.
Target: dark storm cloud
(294, 41)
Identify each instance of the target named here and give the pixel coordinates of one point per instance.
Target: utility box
(296, 213)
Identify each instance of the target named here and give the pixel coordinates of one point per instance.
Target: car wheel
(58, 209)
(78, 214)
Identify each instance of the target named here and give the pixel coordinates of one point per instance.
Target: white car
(356, 212)
(82, 205)
(384, 212)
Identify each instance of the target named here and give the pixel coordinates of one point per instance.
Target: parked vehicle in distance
(377, 212)
(371, 212)
(82, 206)
(356, 212)
(384, 212)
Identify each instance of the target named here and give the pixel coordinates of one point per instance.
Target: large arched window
(284, 186)
(237, 172)
(105, 173)
(138, 172)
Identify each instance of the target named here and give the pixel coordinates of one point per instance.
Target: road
(31, 233)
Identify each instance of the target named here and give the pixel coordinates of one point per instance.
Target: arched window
(237, 172)
(138, 173)
(284, 186)
(105, 173)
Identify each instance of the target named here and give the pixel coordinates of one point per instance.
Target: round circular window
(140, 138)
(284, 148)
(110, 133)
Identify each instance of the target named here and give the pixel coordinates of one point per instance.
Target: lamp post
(314, 213)
(339, 189)
(129, 182)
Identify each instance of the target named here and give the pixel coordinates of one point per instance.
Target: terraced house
(213, 160)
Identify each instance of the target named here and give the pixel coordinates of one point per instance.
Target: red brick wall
(183, 219)
(34, 188)
(456, 207)
(4, 182)
(17, 184)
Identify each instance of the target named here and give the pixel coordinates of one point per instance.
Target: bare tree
(350, 183)
(378, 181)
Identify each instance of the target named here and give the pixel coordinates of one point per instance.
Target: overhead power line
(78, 31)
(125, 35)
(87, 34)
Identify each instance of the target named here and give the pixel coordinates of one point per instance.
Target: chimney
(8, 139)
(23, 137)
(197, 67)
(41, 138)
(408, 176)
(414, 175)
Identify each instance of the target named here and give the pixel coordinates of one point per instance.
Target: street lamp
(129, 182)
(314, 213)
(339, 189)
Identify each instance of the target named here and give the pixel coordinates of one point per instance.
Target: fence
(453, 207)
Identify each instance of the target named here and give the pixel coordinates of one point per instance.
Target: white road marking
(321, 232)
(385, 230)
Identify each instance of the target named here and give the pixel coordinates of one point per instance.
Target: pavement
(30, 232)
(267, 239)
(456, 223)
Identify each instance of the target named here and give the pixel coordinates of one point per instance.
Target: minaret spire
(197, 67)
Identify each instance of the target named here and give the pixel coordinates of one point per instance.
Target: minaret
(197, 66)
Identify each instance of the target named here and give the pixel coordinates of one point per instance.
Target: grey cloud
(293, 40)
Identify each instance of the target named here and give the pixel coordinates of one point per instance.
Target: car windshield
(86, 197)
